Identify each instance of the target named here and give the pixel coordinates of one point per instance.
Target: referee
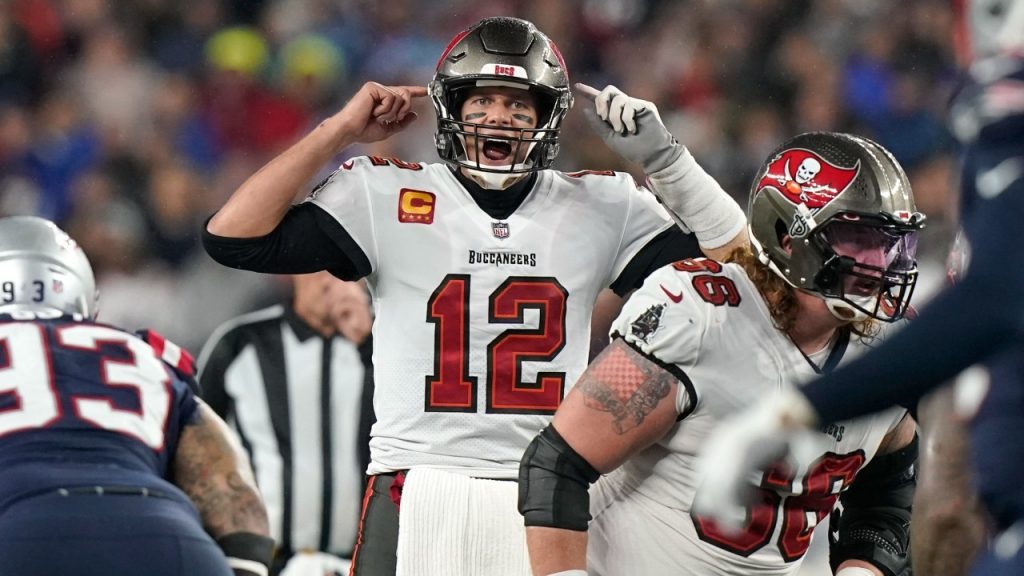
(296, 382)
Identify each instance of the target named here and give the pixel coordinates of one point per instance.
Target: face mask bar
(541, 145)
(881, 292)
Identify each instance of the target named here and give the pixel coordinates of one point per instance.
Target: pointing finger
(587, 91)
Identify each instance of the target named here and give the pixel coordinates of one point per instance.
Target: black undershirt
(309, 240)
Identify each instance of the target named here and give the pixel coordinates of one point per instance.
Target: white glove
(634, 130)
(631, 127)
(315, 564)
(742, 446)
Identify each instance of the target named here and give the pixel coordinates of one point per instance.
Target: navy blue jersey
(86, 404)
(997, 439)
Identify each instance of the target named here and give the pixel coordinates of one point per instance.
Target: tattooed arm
(213, 470)
(623, 403)
(211, 467)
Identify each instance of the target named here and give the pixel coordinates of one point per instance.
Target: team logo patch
(805, 178)
(648, 323)
(500, 230)
(504, 70)
(416, 206)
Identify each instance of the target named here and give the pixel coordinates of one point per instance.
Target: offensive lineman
(833, 228)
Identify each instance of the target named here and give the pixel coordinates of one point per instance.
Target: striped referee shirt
(302, 405)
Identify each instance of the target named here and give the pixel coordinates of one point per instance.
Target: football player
(977, 320)
(833, 231)
(109, 464)
(484, 270)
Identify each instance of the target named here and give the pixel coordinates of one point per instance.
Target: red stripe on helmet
(448, 49)
(558, 54)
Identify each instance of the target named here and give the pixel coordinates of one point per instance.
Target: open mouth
(497, 150)
(864, 287)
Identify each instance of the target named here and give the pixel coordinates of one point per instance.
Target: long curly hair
(780, 297)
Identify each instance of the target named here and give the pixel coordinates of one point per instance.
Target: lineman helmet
(820, 194)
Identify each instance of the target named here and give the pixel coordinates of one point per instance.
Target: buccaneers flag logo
(806, 178)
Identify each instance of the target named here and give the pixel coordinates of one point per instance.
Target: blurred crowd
(129, 121)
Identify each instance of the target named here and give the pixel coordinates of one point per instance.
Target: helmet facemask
(530, 149)
(509, 53)
(868, 269)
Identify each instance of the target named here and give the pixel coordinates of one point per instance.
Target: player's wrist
(698, 201)
(664, 156)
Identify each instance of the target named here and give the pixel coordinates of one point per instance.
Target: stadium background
(130, 121)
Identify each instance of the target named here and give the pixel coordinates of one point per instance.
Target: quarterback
(483, 270)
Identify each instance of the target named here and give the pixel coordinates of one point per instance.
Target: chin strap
(495, 180)
(843, 311)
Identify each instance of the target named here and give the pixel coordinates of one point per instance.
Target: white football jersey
(709, 320)
(481, 325)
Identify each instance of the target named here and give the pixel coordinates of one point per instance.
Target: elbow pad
(554, 483)
(872, 520)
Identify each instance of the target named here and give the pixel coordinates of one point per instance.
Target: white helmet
(43, 269)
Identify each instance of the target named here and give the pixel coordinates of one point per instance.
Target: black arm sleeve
(872, 522)
(670, 246)
(964, 325)
(307, 240)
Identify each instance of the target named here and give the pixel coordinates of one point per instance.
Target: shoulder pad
(173, 355)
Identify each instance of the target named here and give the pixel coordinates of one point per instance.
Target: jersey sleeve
(665, 321)
(645, 219)
(345, 197)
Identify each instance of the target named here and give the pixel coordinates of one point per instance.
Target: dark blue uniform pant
(106, 535)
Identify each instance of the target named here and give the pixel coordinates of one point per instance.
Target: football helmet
(501, 52)
(43, 269)
(833, 214)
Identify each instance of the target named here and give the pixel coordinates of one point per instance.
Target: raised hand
(377, 111)
(631, 127)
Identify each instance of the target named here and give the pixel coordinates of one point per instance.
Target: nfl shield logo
(500, 230)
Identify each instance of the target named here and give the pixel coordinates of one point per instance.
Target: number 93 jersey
(85, 404)
(709, 320)
(481, 324)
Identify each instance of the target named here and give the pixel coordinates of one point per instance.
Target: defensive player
(833, 228)
(484, 271)
(109, 465)
(976, 320)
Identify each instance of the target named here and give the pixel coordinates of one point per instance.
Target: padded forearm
(697, 199)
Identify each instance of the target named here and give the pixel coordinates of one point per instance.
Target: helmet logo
(504, 70)
(805, 178)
